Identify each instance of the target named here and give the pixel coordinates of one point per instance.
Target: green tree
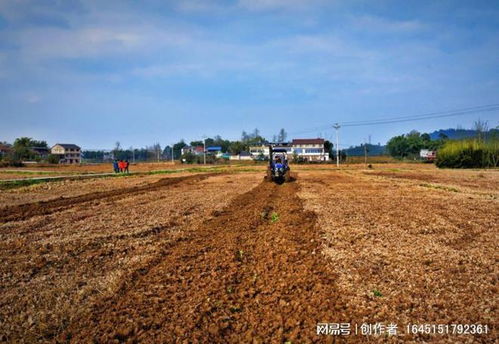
(398, 146)
(22, 149)
(177, 147)
(237, 147)
(328, 148)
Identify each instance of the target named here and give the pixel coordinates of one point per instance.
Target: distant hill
(372, 150)
(456, 134)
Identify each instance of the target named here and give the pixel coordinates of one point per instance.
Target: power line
(452, 113)
(410, 118)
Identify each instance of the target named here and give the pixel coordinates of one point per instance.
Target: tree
(22, 148)
(177, 147)
(117, 150)
(481, 127)
(167, 152)
(236, 147)
(328, 148)
(398, 146)
(156, 148)
(282, 136)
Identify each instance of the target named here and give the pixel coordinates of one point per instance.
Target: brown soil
(229, 258)
(405, 254)
(243, 276)
(55, 267)
(72, 188)
(483, 179)
(24, 211)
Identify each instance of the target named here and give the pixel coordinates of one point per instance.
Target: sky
(141, 72)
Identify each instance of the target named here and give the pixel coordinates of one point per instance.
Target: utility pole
(173, 161)
(365, 152)
(337, 126)
(204, 150)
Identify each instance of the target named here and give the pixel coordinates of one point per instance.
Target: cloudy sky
(139, 72)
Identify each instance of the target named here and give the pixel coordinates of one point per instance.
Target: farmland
(219, 255)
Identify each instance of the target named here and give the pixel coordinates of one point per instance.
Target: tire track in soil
(239, 277)
(25, 211)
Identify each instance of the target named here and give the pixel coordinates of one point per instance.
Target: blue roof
(214, 148)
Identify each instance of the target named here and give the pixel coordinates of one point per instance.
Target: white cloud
(94, 41)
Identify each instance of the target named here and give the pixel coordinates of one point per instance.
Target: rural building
(428, 155)
(42, 152)
(259, 151)
(68, 153)
(310, 149)
(5, 149)
(214, 150)
(197, 150)
(242, 156)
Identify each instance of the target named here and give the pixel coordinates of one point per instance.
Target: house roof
(5, 148)
(308, 141)
(67, 145)
(214, 148)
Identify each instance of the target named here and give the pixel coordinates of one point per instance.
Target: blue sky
(139, 72)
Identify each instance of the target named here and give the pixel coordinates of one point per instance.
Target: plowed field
(231, 258)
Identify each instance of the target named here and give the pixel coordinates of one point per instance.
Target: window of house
(313, 150)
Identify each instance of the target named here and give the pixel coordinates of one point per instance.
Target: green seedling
(274, 217)
(377, 293)
(240, 255)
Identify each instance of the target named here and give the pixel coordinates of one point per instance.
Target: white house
(68, 153)
(310, 149)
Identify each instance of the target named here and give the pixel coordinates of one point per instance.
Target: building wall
(70, 156)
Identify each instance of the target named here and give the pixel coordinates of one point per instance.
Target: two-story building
(68, 153)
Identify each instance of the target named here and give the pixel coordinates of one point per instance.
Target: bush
(11, 163)
(469, 154)
(53, 159)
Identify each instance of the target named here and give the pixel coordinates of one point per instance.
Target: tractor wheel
(287, 176)
(268, 177)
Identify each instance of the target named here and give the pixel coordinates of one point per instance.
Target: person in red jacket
(121, 165)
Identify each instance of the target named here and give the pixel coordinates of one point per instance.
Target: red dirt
(239, 277)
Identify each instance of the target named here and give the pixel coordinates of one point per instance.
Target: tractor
(278, 169)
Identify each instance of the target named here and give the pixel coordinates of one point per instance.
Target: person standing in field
(115, 166)
(121, 166)
(126, 166)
